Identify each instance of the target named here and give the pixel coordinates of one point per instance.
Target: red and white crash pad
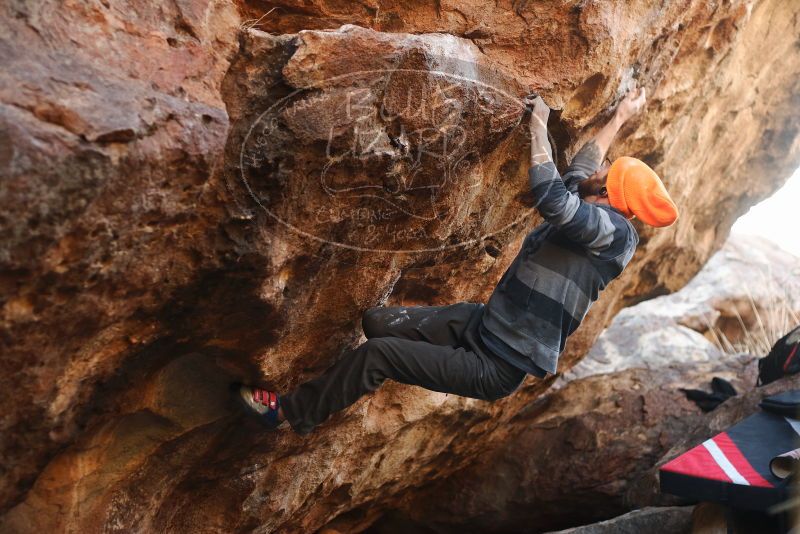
(733, 466)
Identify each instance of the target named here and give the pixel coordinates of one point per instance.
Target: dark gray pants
(436, 347)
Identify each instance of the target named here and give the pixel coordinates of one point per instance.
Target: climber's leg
(439, 325)
(439, 368)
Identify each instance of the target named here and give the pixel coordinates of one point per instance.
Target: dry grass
(772, 320)
(253, 23)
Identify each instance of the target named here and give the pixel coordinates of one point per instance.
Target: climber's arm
(580, 221)
(541, 152)
(589, 158)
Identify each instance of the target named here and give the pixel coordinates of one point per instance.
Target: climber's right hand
(632, 104)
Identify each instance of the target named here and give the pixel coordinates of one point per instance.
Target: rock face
(676, 519)
(207, 191)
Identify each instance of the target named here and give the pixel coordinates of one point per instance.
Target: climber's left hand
(541, 152)
(540, 112)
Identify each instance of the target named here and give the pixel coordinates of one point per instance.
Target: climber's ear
(591, 186)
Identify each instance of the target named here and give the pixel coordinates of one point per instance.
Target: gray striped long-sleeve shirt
(558, 273)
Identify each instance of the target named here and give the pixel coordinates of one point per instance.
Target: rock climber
(486, 351)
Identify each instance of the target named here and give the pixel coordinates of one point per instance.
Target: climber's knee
(375, 351)
(374, 355)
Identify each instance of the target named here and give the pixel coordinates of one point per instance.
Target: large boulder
(207, 190)
(673, 519)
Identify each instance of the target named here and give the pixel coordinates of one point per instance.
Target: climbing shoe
(262, 403)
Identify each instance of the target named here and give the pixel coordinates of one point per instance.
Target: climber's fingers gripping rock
(541, 151)
(632, 104)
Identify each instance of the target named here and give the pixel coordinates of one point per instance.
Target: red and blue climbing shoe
(261, 402)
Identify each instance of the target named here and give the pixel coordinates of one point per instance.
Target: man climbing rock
(485, 351)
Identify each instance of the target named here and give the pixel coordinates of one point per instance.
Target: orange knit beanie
(635, 189)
